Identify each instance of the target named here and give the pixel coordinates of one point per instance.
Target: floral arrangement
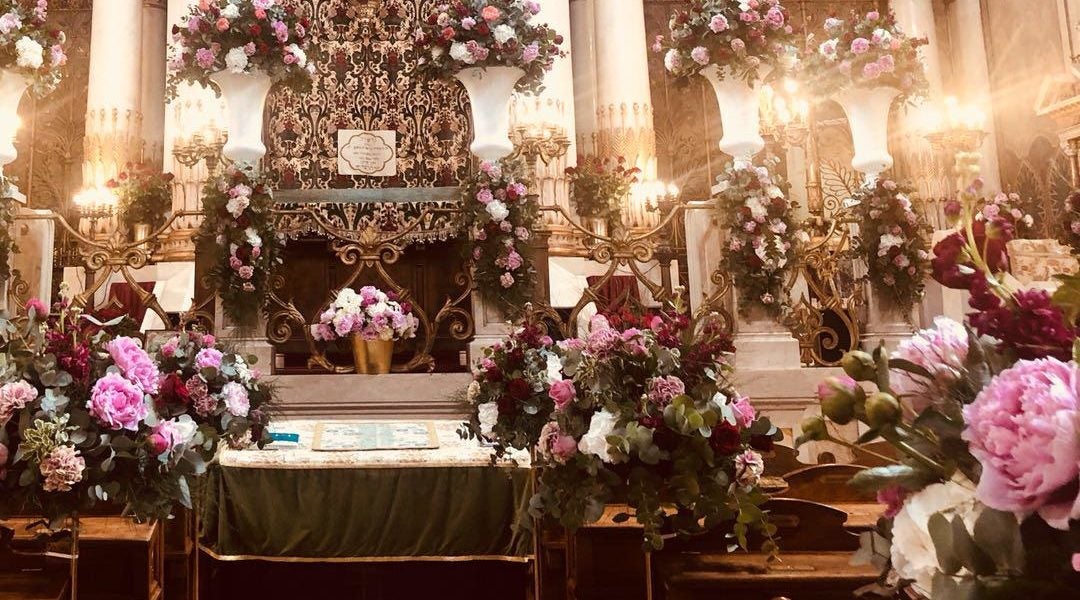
(894, 241)
(238, 225)
(240, 36)
(599, 185)
(88, 418)
(8, 207)
(1072, 223)
(866, 51)
(760, 228)
(983, 502)
(645, 416)
(372, 314)
(463, 34)
(511, 394)
(144, 195)
(499, 216)
(746, 38)
(28, 46)
(214, 388)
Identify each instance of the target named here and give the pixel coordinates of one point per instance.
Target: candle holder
(545, 142)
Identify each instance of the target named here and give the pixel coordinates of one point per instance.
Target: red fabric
(618, 293)
(124, 295)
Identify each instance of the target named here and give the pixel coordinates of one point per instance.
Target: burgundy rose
(518, 389)
(174, 393)
(494, 374)
(725, 438)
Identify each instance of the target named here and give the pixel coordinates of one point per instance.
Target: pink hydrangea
(14, 396)
(204, 57)
(236, 399)
(554, 445)
(208, 358)
(602, 340)
(562, 392)
(663, 389)
(62, 469)
(940, 350)
(117, 403)
(1023, 429)
(134, 363)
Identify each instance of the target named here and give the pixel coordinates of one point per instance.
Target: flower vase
(360, 354)
(739, 103)
(489, 91)
(245, 101)
(867, 111)
(12, 87)
(380, 353)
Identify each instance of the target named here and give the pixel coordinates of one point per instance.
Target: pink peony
(134, 363)
(663, 389)
(530, 53)
(860, 45)
(563, 393)
(744, 412)
(942, 351)
(117, 403)
(62, 468)
(164, 438)
(204, 57)
(484, 196)
(871, 70)
(1023, 429)
(700, 55)
(15, 396)
(554, 445)
(208, 358)
(718, 23)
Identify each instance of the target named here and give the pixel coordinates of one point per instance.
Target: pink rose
(718, 23)
(553, 445)
(506, 280)
(490, 13)
(117, 403)
(871, 71)
(744, 412)
(39, 308)
(222, 24)
(1023, 429)
(208, 358)
(170, 347)
(563, 393)
(860, 45)
(246, 272)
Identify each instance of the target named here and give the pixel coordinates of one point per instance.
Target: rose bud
(882, 409)
(813, 430)
(859, 365)
(839, 396)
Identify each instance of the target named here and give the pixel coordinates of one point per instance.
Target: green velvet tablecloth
(349, 511)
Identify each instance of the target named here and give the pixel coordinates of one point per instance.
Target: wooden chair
(816, 550)
(827, 484)
(781, 461)
(27, 572)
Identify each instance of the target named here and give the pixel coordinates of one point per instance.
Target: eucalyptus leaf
(941, 533)
(969, 554)
(878, 478)
(998, 533)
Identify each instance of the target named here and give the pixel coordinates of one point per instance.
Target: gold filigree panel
(366, 78)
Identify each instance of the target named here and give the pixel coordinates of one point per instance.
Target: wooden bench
(104, 541)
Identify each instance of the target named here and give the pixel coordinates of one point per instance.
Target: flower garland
(499, 216)
(746, 38)
(8, 206)
(238, 225)
(145, 195)
(642, 414)
(866, 51)
(599, 185)
(488, 33)
(29, 47)
(760, 228)
(372, 314)
(894, 241)
(240, 36)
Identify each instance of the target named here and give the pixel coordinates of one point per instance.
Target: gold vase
(379, 354)
(360, 354)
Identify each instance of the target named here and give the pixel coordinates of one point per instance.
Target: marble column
(155, 39)
(583, 59)
(113, 100)
(972, 78)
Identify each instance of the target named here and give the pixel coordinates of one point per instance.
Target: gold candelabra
(545, 143)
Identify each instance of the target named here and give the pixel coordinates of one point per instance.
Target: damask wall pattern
(366, 78)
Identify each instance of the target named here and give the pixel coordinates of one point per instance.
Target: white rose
(301, 56)
(253, 237)
(828, 49)
(236, 60)
(29, 53)
(503, 33)
(757, 209)
(186, 429)
(889, 241)
(231, 11)
(595, 440)
(488, 414)
(460, 53)
(497, 210)
(236, 205)
(473, 392)
(554, 369)
(913, 553)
